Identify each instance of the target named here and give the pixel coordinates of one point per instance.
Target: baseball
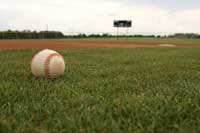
(47, 64)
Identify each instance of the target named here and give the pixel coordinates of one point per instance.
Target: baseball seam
(35, 56)
(47, 65)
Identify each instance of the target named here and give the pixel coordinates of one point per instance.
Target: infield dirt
(62, 44)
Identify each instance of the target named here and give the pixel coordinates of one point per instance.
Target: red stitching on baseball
(47, 63)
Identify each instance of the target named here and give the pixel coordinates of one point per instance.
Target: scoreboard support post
(117, 33)
(127, 33)
(122, 24)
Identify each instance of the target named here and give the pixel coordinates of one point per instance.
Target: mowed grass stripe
(139, 40)
(103, 90)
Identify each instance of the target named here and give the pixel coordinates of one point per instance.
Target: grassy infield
(104, 90)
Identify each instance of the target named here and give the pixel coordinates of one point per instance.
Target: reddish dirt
(31, 44)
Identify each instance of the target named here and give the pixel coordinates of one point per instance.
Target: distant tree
(27, 34)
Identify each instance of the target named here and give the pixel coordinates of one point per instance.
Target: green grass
(103, 90)
(124, 40)
(140, 40)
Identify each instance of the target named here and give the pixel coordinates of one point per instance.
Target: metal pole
(117, 32)
(127, 33)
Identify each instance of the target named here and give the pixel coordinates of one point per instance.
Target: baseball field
(140, 84)
(99, 43)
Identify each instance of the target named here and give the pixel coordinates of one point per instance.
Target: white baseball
(48, 64)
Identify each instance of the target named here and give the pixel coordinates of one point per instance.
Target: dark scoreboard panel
(123, 23)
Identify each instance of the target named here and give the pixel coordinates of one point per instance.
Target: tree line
(185, 35)
(31, 35)
(26, 34)
(177, 35)
(105, 35)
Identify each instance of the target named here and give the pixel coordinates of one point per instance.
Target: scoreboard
(122, 23)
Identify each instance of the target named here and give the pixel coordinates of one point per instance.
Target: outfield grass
(103, 90)
(125, 40)
(141, 40)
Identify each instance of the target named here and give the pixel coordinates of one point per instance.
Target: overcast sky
(98, 15)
